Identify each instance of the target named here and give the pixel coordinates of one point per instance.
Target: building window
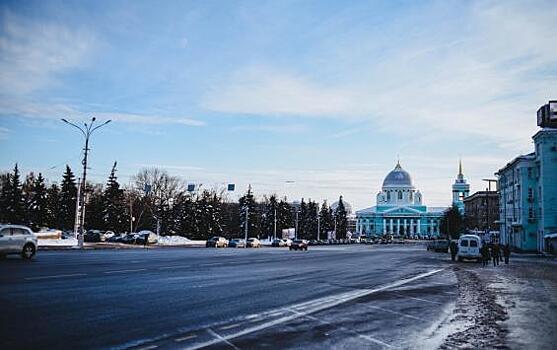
(531, 213)
(399, 194)
(388, 195)
(411, 196)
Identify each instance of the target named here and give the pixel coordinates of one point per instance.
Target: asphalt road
(328, 297)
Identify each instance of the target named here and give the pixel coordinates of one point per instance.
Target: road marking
(55, 276)
(419, 299)
(148, 347)
(124, 271)
(313, 306)
(363, 336)
(393, 312)
(185, 338)
(230, 326)
(221, 338)
(210, 264)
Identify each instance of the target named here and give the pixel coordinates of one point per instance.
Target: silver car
(16, 239)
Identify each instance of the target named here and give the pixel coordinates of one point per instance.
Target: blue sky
(323, 93)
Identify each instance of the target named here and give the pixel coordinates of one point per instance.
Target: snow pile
(49, 234)
(68, 242)
(174, 240)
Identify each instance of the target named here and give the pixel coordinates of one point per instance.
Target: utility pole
(318, 224)
(87, 130)
(275, 225)
(246, 228)
(296, 231)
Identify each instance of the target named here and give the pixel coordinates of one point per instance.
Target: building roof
(398, 177)
(525, 157)
(481, 194)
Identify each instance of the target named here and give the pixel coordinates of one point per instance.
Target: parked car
(469, 247)
(253, 243)
(299, 244)
(216, 242)
(129, 238)
(237, 243)
(92, 236)
(17, 239)
(439, 245)
(116, 238)
(278, 243)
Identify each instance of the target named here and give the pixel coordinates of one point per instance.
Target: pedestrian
(453, 247)
(507, 253)
(485, 255)
(495, 254)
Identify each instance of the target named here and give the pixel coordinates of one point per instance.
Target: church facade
(399, 210)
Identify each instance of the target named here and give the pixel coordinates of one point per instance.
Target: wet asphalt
(341, 297)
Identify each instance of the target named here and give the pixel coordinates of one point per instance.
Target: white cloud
(483, 80)
(31, 53)
(4, 133)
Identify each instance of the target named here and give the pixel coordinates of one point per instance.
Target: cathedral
(400, 210)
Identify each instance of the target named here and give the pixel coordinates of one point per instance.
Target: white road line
(124, 271)
(363, 336)
(234, 325)
(55, 276)
(394, 312)
(192, 336)
(420, 299)
(148, 347)
(313, 306)
(221, 338)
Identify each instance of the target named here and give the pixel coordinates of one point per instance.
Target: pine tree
(284, 216)
(68, 198)
(271, 214)
(94, 219)
(37, 204)
(247, 204)
(4, 190)
(311, 225)
(452, 223)
(114, 206)
(326, 220)
(341, 220)
(12, 199)
(53, 218)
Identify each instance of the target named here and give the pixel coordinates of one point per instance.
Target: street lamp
(87, 130)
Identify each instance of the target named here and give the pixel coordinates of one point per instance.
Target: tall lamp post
(86, 130)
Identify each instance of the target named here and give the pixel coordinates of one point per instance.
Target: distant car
(278, 243)
(299, 244)
(469, 247)
(253, 243)
(237, 243)
(146, 237)
(216, 242)
(439, 245)
(17, 239)
(115, 239)
(92, 236)
(130, 238)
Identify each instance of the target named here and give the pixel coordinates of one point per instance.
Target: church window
(388, 195)
(399, 194)
(411, 196)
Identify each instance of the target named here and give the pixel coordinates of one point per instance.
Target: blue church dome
(398, 177)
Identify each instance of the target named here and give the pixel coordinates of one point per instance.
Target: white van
(469, 247)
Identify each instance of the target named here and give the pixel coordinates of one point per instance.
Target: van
(469, 247)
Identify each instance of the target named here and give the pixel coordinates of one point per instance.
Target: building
(399, 210)
(528, 189)
(461, 190)
(482, 211)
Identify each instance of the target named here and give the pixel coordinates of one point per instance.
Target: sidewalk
(505, 307)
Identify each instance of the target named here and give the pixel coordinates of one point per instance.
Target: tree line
(157, 199)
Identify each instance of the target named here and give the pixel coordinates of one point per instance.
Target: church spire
(460, 167)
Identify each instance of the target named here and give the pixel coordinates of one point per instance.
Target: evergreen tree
(114, 205)
(311, 224)
(37, 204)
(452, 223)
(4, 190)
(302, 221)
(326, 220)
(94, 219)
(271, 214)
(284, 216)
(53, 219)
(68, 200)
(248, 206)
(341, 220)
(12, 199)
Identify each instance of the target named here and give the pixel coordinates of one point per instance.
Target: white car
(469, 247)
(16, 239)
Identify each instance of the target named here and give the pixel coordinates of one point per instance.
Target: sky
(312, 99)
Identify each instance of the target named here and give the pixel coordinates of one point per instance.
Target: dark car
(115, 239)
(92, 236)
(237, 243)
(441, 245)
(128, 239)
(299, 244)
(278, 243)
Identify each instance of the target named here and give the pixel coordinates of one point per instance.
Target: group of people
(488, 251)
(495, 252)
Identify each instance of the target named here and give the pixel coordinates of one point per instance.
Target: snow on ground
(177, 240)
(68, 242)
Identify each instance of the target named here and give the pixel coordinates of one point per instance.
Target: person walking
(485, 255)
(453, 247)
(507, 253)
(495, 254)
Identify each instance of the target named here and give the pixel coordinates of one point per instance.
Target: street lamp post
(87, 130)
